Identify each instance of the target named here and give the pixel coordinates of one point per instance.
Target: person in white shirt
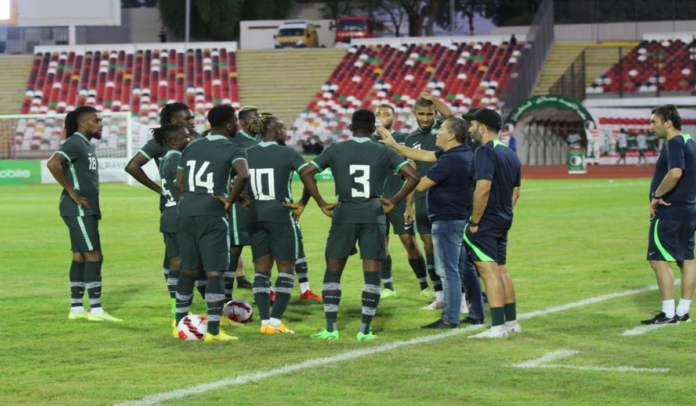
(642, 141)
(623, 145)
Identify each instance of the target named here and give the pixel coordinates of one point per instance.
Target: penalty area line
(351, 355)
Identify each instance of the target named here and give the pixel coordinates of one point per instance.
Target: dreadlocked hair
(259, 125)
(72, 119)
(164, 133)
(169, 110)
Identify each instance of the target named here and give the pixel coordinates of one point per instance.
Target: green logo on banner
(18, 172)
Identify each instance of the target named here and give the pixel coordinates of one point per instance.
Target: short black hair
(73, 118)
(168, 111)
(220, 115)
(459, 127)
(245, 112)
(668, 112)
(165, 132)
(363, 120)
(424, 103)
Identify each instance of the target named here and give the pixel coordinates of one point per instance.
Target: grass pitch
(572, 240)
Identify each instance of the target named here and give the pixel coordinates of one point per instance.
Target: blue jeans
(472, 284)
(447, 244)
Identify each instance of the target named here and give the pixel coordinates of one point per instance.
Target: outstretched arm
(135, 169)
(420, 155)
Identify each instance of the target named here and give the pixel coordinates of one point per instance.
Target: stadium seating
(665, 66)
(139, 81)
(465, 75)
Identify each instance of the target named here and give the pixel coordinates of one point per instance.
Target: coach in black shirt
(448, 184)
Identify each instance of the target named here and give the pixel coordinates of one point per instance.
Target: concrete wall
(137, 25)
(606, 32)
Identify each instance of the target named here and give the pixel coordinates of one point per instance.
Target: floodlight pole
(188, 20)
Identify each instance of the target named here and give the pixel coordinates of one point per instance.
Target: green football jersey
(168, 170)
(394, 182)
(82, 171)
(271, 167)
(360, 167)
(425, 140)
(207, 165)
(244, 140)
(153, 150)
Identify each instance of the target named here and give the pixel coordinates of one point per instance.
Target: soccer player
(203, 184)
(673, 214)
(175, 139)
(360, 167)
(172, 113)
(424, 138)
(497, 173)
(79, 207)
(396, 218)
(239, 217)
(272, 227)
(622, 143)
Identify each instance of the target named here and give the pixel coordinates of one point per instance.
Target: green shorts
(396, 221)
(423, 225)
(171, 244)
(279, 239)
(371, 239)
(204, 242)
(239, 225)
(84, 233)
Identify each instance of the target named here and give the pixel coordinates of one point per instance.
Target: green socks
(283, 288)
(370, 299)
(93, 283)
(262, 295)
(215, 297)
(77, 285)
(387, 279)
(510, 311)
(498, 316)
(184, 295)
(418, 266)
(331, 292)
(437, 283)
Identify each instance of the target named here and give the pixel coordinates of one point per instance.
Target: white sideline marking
(347, 356)
(543, 362)
(644, 329)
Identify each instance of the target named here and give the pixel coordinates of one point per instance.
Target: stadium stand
(139, 80)
(465, 74)
(652, 66)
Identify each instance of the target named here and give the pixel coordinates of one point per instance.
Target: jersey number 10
(259, 179)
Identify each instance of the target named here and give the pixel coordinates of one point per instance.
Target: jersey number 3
(198, 180)
(362, 180)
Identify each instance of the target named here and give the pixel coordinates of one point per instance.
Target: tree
(218, 20)
(467, 8)
(511, 12)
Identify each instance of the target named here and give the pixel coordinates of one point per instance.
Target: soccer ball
(193, 327)
(239, 311)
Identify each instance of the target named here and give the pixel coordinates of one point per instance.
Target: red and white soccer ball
(239, 311)
(193, 327)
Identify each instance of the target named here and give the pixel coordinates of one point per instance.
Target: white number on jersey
(92, 163)
(261, 178)
(363, 180)
(198, 181)
(167, 194)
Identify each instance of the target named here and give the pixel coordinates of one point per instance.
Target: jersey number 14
(198, 179)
